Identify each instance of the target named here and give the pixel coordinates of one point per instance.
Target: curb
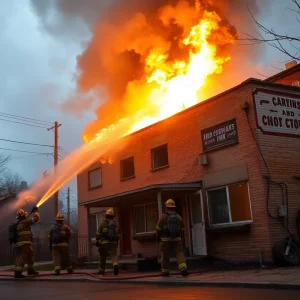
(220, 284)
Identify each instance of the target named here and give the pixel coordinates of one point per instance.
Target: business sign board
(277, 113)
(219, 136)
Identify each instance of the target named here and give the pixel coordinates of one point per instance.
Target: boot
(100, 272)
(184, 273)
(70, 271)
(57, 272)
(165, 274)
(116, 270)
(18, 274)
(32, 272)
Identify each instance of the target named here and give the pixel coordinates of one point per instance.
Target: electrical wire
(270, 181)
(64, 151)
(23, 123)
(25, 118)
(15, 150)
(26, 143)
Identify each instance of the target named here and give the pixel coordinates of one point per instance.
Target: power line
(44, 153)
(23, 123)
(62, 150)
(24, 156)
(25, 118)
(26, 143)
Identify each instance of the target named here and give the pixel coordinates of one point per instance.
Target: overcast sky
(36, 71)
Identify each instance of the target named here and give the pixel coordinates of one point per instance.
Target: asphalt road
(72, 291)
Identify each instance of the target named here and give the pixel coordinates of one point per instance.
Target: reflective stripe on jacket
(24, 230)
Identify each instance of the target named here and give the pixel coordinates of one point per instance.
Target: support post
(55, 155)
(89, 246)
(68, 206)
(159, 203)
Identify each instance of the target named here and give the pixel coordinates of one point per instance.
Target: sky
(37, 70)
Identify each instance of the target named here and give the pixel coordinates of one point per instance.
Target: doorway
(125, 232)
(197, 224)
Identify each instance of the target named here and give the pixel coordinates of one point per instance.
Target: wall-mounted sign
(277, 113)
(219, 136)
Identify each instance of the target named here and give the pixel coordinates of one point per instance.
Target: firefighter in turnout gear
(107, 238)
(59, 236)
(23, 245)
(169, 230)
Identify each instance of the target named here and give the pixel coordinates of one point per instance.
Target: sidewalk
(263, 278)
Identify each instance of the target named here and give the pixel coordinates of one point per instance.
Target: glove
(35, 209)
(97, 244)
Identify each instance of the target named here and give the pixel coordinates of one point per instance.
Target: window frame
(230, 223)
(121, 169)
(152, 157)
(89, 180)
(144, 205)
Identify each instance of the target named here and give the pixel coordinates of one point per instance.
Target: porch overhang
(185, 186)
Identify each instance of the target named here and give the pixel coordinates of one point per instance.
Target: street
(12, 290)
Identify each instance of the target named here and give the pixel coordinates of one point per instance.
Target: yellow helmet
(59, 217)
(21, 213)
(110, 212)
(170, 203)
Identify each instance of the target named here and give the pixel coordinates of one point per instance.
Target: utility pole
(68, 206)
(55, 127)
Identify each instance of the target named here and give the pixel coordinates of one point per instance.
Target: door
(125, 232)
(197, 224)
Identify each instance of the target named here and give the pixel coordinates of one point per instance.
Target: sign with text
(219, 136)
(277, 113)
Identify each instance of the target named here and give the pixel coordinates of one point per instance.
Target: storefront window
(229, 204)
(145, 217)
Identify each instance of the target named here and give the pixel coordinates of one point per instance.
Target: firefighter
(107, 238)
(59, 236)
(23, 245)
(169, 230)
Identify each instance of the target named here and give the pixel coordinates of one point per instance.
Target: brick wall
(289, 79)
(182, 133)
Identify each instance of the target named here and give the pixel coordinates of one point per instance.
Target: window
(145, 217)
(95, 178)
(229, 204)
(127, 168)
(159, 157)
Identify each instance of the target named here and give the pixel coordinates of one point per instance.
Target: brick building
(211, 159)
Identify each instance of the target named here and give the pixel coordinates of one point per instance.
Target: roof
(187, 186)
(283, 74)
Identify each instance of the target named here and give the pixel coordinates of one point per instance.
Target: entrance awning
(186, 186)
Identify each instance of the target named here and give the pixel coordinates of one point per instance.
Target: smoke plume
(113, 65)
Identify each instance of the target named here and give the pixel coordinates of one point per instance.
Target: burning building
(178, 123)
(221, 161)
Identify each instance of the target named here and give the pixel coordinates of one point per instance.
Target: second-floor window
(127, 168)
(95, 178)
(160, 157)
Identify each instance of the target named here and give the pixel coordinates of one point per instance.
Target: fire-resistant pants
(165, 247)
(61, 257)
(106, 250)
(24, 254)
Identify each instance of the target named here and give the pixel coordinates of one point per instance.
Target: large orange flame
(171, 86)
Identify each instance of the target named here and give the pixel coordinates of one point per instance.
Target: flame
(172, 81)
(171, 86)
